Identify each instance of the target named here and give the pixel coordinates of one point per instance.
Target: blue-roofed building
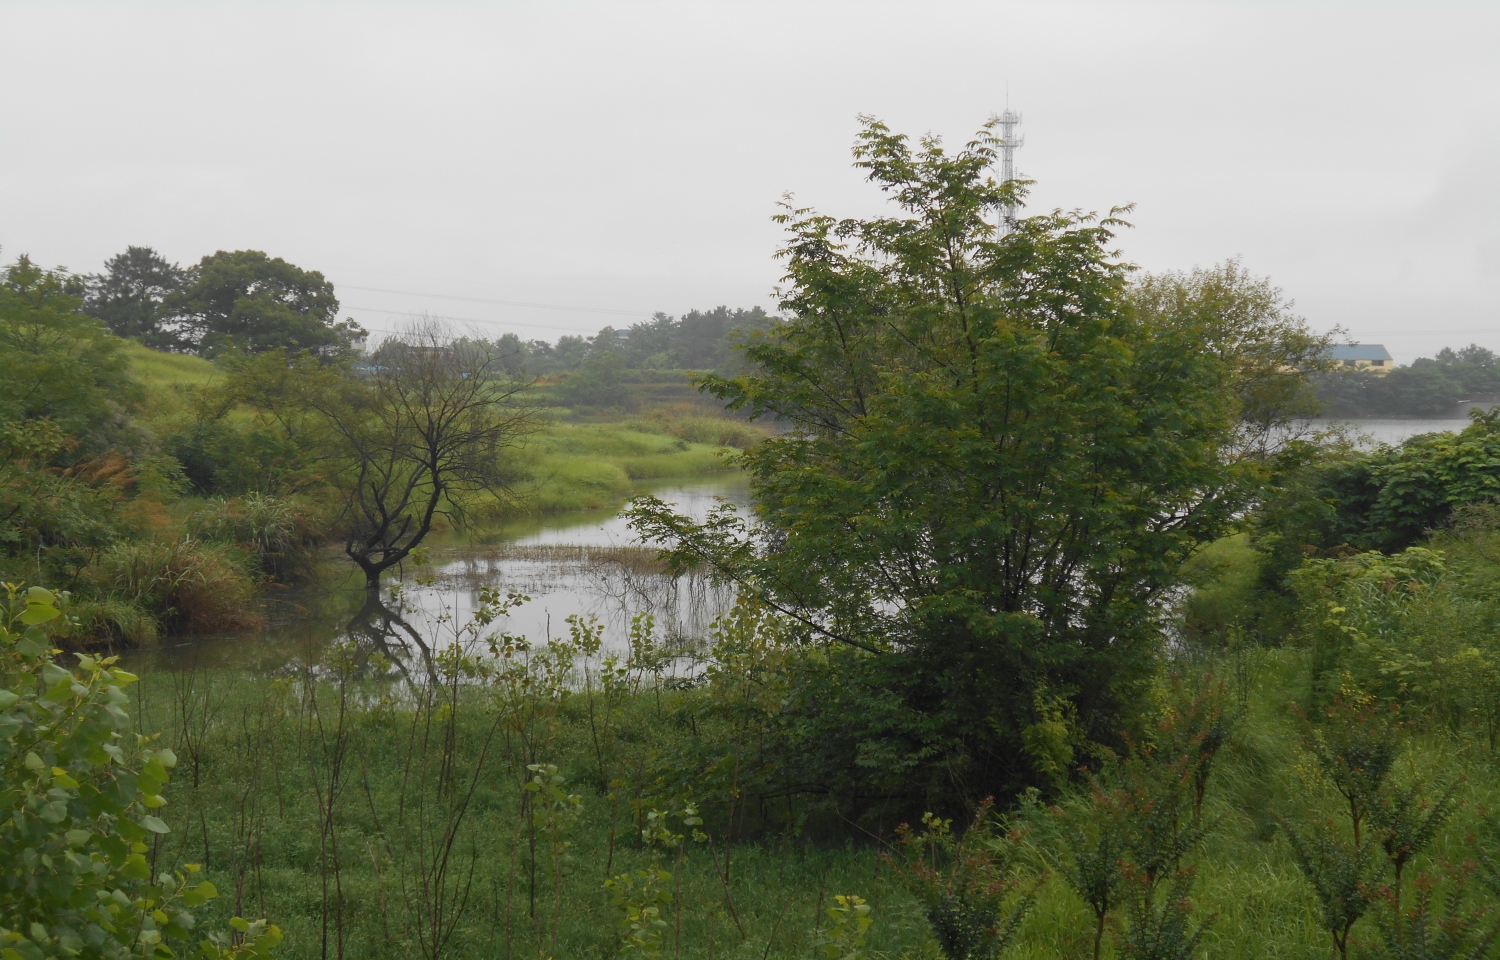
(1363, 356)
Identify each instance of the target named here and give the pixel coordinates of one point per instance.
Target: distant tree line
(1429, 387)
(610, 368)
(698, 340)
(248, 301)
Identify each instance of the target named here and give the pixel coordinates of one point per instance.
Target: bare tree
(428, 422)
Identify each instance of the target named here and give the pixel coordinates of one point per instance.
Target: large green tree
(58, 364)
(246, 300)
(130, 297)
(999, 452)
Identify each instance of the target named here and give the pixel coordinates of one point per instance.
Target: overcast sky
(622, 158)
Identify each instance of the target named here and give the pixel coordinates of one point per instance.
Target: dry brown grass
(187, 585)
(637, 560)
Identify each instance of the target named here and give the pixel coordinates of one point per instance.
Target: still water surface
(585, 564)
(1393, 430)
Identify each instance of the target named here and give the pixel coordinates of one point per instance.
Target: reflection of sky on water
(1393, 430)
(603, 579)
(575, 563)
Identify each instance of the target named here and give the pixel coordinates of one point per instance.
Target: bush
(1224, 576)
(77, 807)
(187, 584)
(111, 618)
(720, 431)
(1418, 628)
(282, 533)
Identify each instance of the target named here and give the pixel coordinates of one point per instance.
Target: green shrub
(972, 889)
(78, 801)
(719, 431)
(1224, 576)
(187, 584)
(113, 618)
(282, 533)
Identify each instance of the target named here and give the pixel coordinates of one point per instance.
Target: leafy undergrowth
(258, 754)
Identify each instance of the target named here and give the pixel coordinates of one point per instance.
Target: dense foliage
(1001, 453)
(1428, 387)
(644, 364)
(131, 297)
(229, 300)
(79, 797)
(1040, 552)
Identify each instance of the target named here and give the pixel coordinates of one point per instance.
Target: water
(1393, 430)
(585, 564)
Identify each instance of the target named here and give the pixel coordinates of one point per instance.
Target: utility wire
(440, 316)
(506, 303)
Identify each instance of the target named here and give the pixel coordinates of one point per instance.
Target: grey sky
(628, 156)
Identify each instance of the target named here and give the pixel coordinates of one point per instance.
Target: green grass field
(567, 464)
(251, 745)
(590, 466)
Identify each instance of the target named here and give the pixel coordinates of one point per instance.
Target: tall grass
(282, 533)
(183, 584)
(613, 746)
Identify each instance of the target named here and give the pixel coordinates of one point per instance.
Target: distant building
(1363, 356)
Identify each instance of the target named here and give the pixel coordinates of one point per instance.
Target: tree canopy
(58, 364)
(130, 296)
(247, 300)
(1000, 453)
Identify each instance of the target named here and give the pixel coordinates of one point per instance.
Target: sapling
(1196, 727)
(971, 888)
(1161, 928)
(1436, 927)
(327, 748)
(849, 921)
(658, 833)
(1356, 747)
(1340, 873)
(1160, 802)
(640, 896)
(1092, 835)
(558, 815)
(1408, 822)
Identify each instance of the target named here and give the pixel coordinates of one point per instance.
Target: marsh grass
(590, 466)
(186, 583)
(611, 751)
(642, 561)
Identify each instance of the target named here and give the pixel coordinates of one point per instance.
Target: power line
(506, 303)
(1435, 333)
(440, 316)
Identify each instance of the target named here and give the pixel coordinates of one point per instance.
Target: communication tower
(1009, 141)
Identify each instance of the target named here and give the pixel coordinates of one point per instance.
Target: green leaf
(36, 613)
(155, 824)
(200, 893)
(28, 647)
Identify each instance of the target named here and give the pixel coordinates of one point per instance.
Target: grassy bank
(527, 870)
(569, 463)
(588, 466)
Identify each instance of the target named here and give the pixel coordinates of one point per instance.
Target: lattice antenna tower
(1009, 141)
